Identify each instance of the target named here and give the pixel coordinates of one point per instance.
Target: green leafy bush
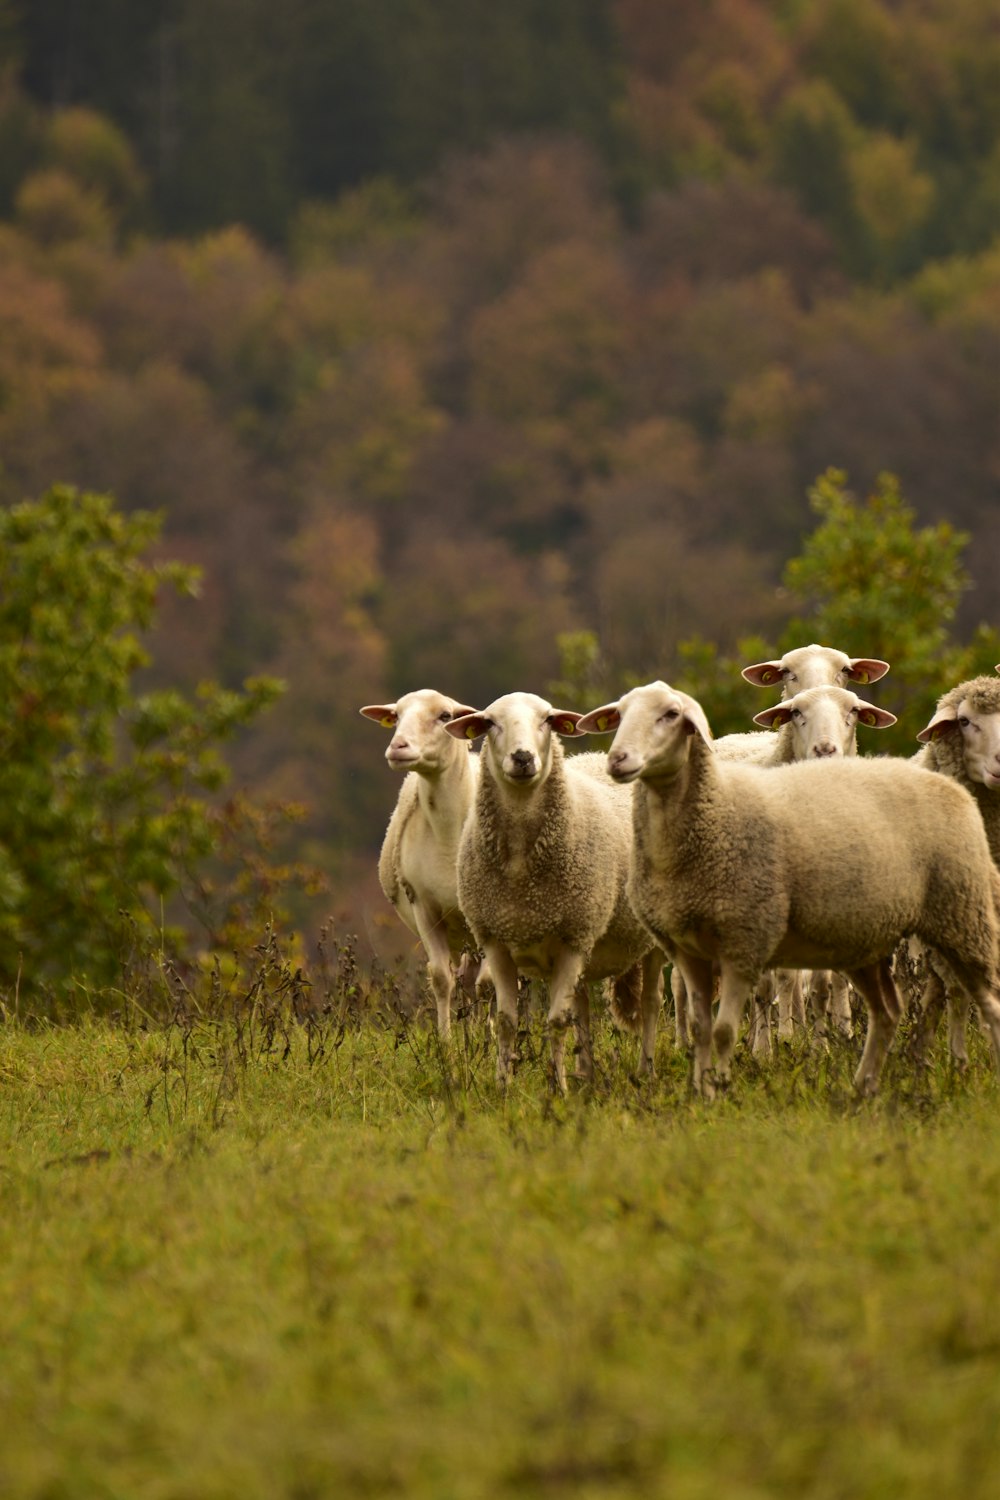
(106, 807)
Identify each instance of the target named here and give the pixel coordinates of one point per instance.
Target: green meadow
(263, 1252)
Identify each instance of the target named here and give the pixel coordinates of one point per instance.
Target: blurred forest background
(440, 332)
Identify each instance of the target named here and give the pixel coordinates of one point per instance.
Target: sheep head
(653, 725)
(815, 666)
(965, 730)
(823, 721)
(519, 746)
(418, 720)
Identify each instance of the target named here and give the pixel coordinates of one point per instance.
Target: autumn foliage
(439, 343)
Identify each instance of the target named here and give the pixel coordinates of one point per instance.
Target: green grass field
(253, 1257)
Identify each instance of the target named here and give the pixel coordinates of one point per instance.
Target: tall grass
(270, 1239)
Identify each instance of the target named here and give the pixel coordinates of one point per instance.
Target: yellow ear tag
(387, 721)
(471, 732)
(868, 719)
(937, 733)
(862, 677)
(768, 676)
(602, 722)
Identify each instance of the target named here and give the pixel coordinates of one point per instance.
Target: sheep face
(977, 720)
(823, 721)
(420, 741)
(815, 666)
(518, 727)
(653, 725)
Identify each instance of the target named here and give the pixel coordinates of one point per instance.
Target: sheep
(542, 870)
(817, 723)
(723, 871)
(961, 740)
(815, 666)
(417, 862)
(798, 670)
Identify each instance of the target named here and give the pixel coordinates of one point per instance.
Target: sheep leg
(697, 977)
(816, 991)
(473, 976)
(434, 936)
(957, 1007)
(791, 1006)
(651, 1002)
(564, 1007)
(989, 1011)
(678, 990)
(760, 1019)
(839, 1005)
(584, 1048)
(734, 989)
(878, 990)
(504, 972)
(932, 1003)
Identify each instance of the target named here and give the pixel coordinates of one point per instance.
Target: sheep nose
(824, 748)
(615, 758)
(523, 759)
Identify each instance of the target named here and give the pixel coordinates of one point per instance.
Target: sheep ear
(875, 718)
(600, 720)
(384, 714)
(764, 673)
(469, 727)
(939, 726)
(694, 716)
(565, 721)
(460, 711)
(774, 717)
(866, 669)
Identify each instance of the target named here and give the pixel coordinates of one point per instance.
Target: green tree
(870, 583)
(105, 791)
(873, 584)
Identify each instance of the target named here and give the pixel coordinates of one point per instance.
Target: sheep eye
(444, 718)
(789, 676)
(964, 723)
(672, 713)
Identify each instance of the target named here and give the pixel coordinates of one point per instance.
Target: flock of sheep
(741, 861)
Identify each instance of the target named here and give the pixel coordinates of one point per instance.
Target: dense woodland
(437, 332)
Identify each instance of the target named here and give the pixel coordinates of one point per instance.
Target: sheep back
(903, 850)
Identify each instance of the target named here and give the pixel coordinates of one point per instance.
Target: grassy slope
(226, 1271)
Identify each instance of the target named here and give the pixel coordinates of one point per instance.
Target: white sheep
(417, 864)
(815, 666)
(799, 670)
(962, 741)
(724, 870)
(542, 871)
(816, 723)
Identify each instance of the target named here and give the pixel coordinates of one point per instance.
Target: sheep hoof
(557, 1083)
(705, 1085)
